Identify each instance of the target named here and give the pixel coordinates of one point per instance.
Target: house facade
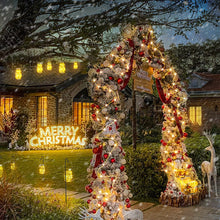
(204, 101)
(55, 96)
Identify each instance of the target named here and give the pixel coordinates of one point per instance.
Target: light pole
(68, 176)
(42, 166)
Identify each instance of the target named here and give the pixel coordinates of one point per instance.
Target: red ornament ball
(169, 159)
(105, 156)
(122, 168)
(141, 53)
(189, 166)
(88, 201)
(110, 77)
(93, 105)
(128, 205)
(185, 134)
(164, 143)
(127, 200)
(93, 115)
(93, 211)
(113, 160)
(116, 108)
(173, 154)
(120, 81)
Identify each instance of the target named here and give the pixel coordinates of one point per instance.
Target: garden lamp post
(68, 176)
(42, 166)
(12, 165)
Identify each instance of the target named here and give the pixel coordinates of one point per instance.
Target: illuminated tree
(108, 181)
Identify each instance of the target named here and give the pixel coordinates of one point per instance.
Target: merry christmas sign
(57, 136)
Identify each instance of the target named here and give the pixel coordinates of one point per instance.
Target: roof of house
(47, 81)
(204, 84)
(32, 81)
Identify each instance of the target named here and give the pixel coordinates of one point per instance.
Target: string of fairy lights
(137, 50)
(48, 66)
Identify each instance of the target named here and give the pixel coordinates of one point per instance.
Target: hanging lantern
(75, 66)
(18, 73)
(62, 68)
(12, 165)
(69, 176)
(49, 65)
(39, 67)
(1, 170)
(41, 169)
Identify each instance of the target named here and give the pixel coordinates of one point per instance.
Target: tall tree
(76, 28)
(196, 58)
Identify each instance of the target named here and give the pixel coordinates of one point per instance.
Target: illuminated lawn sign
(57, 135)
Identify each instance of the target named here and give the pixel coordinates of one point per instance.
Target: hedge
(144, 168)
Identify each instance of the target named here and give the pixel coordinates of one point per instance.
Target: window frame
(3, 108)
(195, 115)
(42, 111)
(82, 115)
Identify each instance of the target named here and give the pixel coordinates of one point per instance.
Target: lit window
(195, 114)
(81, 111)
(6, 105)
(42, 111)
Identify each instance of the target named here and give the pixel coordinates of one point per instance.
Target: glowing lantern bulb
(75, 66)
(49, 65)
(18, 73)
(39, 67)
(62, 68)
(1, 170)
(41, 169)
(69, 176)
(12, 165)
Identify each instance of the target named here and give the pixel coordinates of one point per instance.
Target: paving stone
(133, 202)
(81, 195)
(142, 205)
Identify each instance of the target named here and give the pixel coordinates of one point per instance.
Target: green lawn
(27, 163)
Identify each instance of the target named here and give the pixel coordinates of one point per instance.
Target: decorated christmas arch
(110, 194)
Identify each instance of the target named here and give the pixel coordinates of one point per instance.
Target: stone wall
(66, 96)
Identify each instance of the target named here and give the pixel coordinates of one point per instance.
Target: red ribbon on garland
(167, 101)
(98, 159)
(178, 122)
(128, 74)
(161, 93)
(98, 153)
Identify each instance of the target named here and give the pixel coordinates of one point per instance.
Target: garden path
(208, 209)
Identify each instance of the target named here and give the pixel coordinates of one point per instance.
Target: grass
(27, 163)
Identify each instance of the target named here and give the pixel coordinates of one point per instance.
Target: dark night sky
(207, 31)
